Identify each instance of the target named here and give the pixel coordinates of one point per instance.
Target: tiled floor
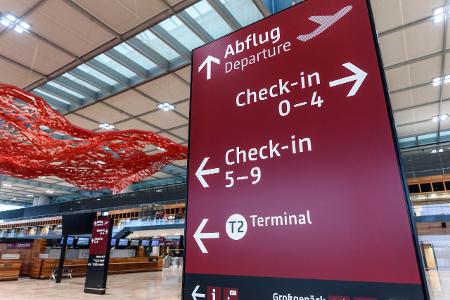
(439, 284)
(164, 285)
(149, 286)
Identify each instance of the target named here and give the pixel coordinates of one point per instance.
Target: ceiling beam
(262, 8)
(225, 14)
(195, 27)
(149, 53)
(162, 34)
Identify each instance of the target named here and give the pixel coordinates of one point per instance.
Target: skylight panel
(209, 19)
(181, 32)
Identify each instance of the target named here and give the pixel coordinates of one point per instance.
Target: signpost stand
(99, 252)
(62, 258)
(295, 190)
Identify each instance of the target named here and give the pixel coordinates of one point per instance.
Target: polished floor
(439, 284)
(164, 285)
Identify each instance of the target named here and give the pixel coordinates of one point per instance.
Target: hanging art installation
(36, 140)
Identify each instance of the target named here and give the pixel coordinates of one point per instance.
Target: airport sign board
(295, 190)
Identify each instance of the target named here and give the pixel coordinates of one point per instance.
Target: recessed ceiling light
(437, 81)
(106, 126)
(30, 195)
(441, 117)
(433, 151)
(159, 148)
(7, 184)
(42, 177)
(25, 25)
(438, 14)
(14, 198)
(166, 106)
(49, 191)
(440, 150)
(12, 22)
(4, 22)
(11, 18)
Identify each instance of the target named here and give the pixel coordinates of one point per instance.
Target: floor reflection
(439, 284)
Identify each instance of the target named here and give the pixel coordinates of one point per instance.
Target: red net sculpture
(36, 140)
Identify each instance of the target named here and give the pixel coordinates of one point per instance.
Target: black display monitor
(78, 223)
(155, 243)
(123, 243)
(134, 243)
(70, 240)
(113, 242)
(83, 241)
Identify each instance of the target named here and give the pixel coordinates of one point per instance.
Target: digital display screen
(123, 242)
(70, 240)
(113, 242)
(134, 243)
(83, 241)
(145, 243)
(155, 243)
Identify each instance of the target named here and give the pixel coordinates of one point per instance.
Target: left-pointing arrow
(201, 171)
(199, 236)
(358, 77)
(196, 295)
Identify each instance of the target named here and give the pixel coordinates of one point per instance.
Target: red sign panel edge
(382, 75)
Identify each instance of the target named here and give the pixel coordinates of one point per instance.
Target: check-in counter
(10, 267)
(42, 268)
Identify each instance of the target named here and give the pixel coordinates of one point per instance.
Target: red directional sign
(295, 188)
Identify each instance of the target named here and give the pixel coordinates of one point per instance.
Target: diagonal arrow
(196, 295)
(202, 172)
(207, 62)
(358, 77)
(199, 236)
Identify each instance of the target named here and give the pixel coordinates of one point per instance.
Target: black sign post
(62, 257)
(99, 257)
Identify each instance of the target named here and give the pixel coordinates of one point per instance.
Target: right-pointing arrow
(202, 172)
(196, 295)
(358, 77)
(199, 236)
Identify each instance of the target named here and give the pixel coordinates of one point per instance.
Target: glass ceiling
(160, 49)
(153, 42)
(208, 18)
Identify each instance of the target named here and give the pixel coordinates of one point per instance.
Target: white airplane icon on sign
(325, 22)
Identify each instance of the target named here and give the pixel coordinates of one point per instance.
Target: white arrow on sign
(196, 295)
(199, 235)
(358, 77)
(202, 172)
(207, 62)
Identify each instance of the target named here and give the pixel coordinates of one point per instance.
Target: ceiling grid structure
(135, 62)
(413, 39)
(139, 67)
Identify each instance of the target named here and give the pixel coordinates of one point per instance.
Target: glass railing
(432, 210)
(142, 223)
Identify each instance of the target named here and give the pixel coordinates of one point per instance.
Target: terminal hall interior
(225, 149)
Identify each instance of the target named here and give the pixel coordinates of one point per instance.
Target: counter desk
(10, 269)
(42, 268)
